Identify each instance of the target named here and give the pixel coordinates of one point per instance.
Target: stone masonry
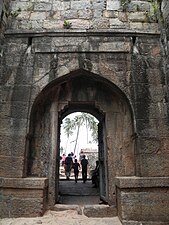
(105, 57)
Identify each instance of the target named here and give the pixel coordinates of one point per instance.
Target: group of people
(70, 163)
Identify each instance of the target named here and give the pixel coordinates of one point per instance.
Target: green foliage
(155, 15)
(124, 4)
(80, 120)
(15, 13)
(30, 5)
(67, 24)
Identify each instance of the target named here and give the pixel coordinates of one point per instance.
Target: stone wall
(4, 10)
(116, 43)
(165, 40)
(143, 198)
(23, 196)
(107, 14)
(165, 12)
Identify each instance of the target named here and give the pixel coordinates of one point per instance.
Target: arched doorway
(93, 155)
(87, 92)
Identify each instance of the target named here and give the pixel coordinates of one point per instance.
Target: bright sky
(68, 145)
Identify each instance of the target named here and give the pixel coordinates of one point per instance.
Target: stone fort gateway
(108, 58)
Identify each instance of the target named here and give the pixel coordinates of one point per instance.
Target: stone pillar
(23, 197)
(143, 199)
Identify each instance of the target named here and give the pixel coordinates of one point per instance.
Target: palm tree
(90, 122)
(68, 126)
(77, 122)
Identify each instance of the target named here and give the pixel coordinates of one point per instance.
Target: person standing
(95, 175)
(76, 167)
(68, 166)
(63, 159)
(84, 163)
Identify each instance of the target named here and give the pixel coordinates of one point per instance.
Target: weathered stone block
(137, 17)
(62, 6)
(80, 23)
(12, 145)
(136, 26)
(147, 127)
(100, 23)
(20, 93)
(154, 164)
(143, 6)
(23, 193)
(110, 14)
(52, 24)
(23, 5)
(116, 23)
(143, 199)
(23, 15)
(99, 211)
(85, 4)
(156, 93)
(38, 16)
(85, 14)
(33, 183)
(21, 207)
(60, 207)
(38, 44)
(11, 166)
(71, 14)
(113, 5)
(23, 197)
(43, 6)
(10, 126)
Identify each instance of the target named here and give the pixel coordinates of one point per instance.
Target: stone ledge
(20, 183)
(141, 182)
(99, 211)
(62, 207)
(81, 32)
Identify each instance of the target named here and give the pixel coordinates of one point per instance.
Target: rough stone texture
(61, 207)
(99, 211)
(23, 196)
(146, 195)
(112, 63)
(46, 15)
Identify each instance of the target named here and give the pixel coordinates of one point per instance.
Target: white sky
(82, 140)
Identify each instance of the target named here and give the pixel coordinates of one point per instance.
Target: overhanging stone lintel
(82, 33)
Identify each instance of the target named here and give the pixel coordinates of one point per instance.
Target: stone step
(95, 211)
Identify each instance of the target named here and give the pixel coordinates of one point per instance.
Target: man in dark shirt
(84, 163)
(68, 166)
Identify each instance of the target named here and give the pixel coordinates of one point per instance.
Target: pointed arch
(83, 91)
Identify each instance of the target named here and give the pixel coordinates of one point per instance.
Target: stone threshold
(94, 211)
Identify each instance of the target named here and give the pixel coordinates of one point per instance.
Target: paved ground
(68, 217)
(73, 196)
(78, 193)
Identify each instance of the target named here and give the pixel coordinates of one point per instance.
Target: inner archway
(79, 137)
(86, 92)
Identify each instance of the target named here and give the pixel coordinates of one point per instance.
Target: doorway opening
(81, 135)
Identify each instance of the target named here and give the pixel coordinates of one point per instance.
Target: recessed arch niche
(80, 91)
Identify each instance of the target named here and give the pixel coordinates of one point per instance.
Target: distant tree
(61, 150)
(80, 120)
(68, 126)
